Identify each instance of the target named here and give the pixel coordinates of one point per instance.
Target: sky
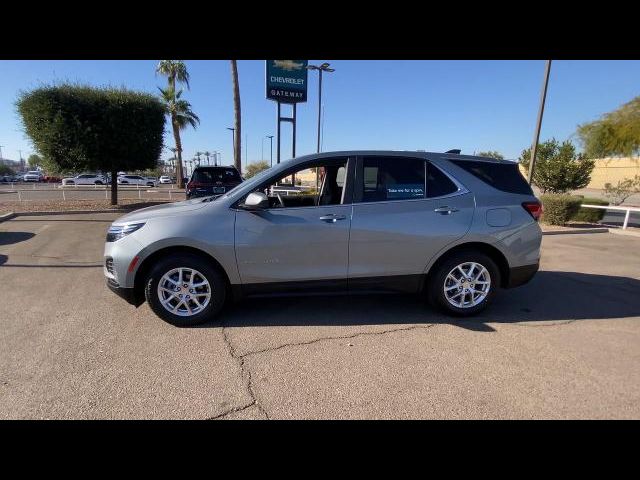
(474, 105)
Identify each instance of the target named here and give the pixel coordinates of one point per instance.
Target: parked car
(164, 179)
(6, 178)
(85, 179)
(52, 179)
(135, 180)
(33, 176)
(452, 227)
(207, 181)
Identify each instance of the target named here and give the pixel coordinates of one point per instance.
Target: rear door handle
(446, 210)
(332, 218)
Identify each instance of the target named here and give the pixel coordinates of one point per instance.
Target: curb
(7, 216)
(575, 231)
(619, 231)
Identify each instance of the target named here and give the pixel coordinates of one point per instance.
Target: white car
(136, 180)
(33, 176)
(165, 179)
(85, 179)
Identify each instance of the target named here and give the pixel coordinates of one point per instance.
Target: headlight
(116, 232)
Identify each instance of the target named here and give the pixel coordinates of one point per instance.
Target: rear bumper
(521, 275)
(128, 294)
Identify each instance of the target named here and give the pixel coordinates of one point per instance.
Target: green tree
(78, 128)
(5, 169)
(34, 161)
(559, 168)
(615, 133)
(176, 72)
(491, 154)
(181, 115)
(255, 168)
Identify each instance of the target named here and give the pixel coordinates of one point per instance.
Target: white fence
(628, 211)
(51, 192)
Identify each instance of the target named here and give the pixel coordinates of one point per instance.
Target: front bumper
(521, 275)
(129, 294)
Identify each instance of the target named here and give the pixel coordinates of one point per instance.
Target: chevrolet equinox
(452, 227)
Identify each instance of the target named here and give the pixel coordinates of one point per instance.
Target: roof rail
(455, 151)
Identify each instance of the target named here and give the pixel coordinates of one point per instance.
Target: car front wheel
(185, 290)
(464, 284)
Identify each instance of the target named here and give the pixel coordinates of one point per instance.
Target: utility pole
(536, 136)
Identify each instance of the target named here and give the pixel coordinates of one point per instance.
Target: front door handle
(445, 210)
(332, 218)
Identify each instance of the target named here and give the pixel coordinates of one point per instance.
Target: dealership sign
(287, 80)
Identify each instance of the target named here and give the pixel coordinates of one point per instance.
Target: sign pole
(278, 142)
(293, 147)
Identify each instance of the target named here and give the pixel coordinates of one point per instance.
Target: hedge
(590, 215)
(559, 208)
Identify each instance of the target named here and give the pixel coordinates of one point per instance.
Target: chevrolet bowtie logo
(288, 65)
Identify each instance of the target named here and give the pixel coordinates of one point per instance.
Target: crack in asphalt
(233, 410)
(555, 324)
(245, 373)
(339, 337)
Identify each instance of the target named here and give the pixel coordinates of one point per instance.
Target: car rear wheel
(185, 290)
(464, 284)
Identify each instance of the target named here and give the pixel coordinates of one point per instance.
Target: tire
(466, 305)
(99, 183)
(189, 262)
(149, 184)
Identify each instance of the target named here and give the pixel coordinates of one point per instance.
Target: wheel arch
(491, 251)
(150, 260)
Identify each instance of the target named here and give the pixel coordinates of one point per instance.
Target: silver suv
(453, 227)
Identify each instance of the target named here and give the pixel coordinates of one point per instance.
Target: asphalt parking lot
(567, 345)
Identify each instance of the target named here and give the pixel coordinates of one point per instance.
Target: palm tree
(206, 154)
(175, 71)
(237, 114)
(181, 116)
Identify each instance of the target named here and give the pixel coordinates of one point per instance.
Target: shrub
(558, 209)
(590, 215)
(622, 190)
(559, 168)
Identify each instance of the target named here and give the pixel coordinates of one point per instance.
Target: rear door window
(393, 178)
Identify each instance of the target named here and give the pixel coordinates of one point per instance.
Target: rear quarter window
(502, 176)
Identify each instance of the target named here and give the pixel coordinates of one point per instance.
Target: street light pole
(322, 68)
(270, 137)
(536, 136)
(233, 135)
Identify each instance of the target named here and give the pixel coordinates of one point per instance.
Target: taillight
(534, 209)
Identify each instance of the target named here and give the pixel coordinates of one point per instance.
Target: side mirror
(256, 201)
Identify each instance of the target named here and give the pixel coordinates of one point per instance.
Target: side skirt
(382, 284)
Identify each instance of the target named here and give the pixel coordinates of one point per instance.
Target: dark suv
(206, 181)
